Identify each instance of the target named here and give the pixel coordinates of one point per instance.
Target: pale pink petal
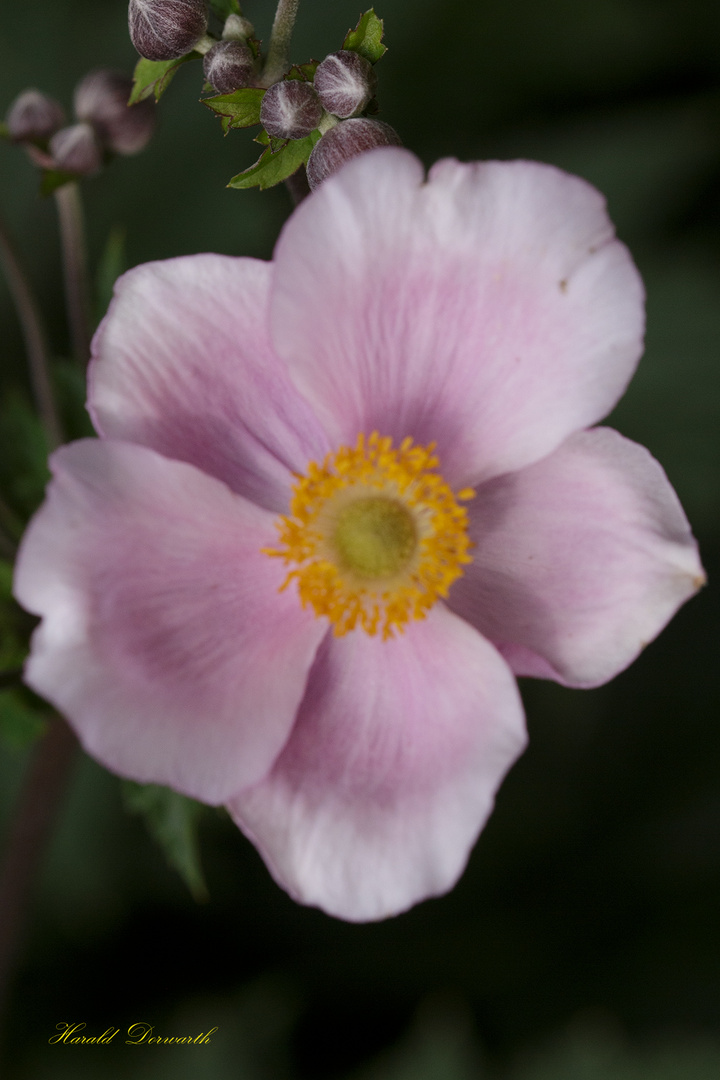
(164, 639)
(580, 560)
(489, 309)
(183, 365)
(391, 770)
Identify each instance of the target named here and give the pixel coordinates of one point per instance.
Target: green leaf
(113, 262)
(4, 130)
(23, 454)
(172, 821)
(366, 38)
(240, 109)
(52, 179)
(20, 724)
(154, 76)
(303, 72)
(273, 168)
(223, 8)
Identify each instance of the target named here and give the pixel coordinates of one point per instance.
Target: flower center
(374, 536)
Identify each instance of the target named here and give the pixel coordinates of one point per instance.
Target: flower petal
(488, 310)
(183, 365)
(164, 639)
(580, 560)
(391, 769)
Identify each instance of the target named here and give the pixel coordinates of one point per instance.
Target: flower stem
(34, 335)
(40, 796)
(278, 57)
(77, 296)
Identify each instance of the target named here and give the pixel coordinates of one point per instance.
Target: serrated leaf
(172, 821)
(240, 109)
(223, 8)
(272, 168)
(52, 179)
(154, 76)
(366, 38)
(20, 724)
(303, 72)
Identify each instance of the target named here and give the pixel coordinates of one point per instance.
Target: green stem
(77, 293)
(34, 335)
(30, 830)
(278, 57)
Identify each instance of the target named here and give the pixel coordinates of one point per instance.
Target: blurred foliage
(583, 940)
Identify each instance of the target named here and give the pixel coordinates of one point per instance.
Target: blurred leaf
(113, 263)
(172, 821)
(52, 179)
(71, 393)
(596, 1054)
(274, 167)
(20, 724)
(4, 130)
(366, 38)
(154, 76)
(23, 454)
(240, 109)
(223, 8)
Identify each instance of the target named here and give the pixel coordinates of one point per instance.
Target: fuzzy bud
(101, 99)
(290, 110)
(228, 66)
(345, 82)
(166, 29)
(237, 28)
(345, 141)
(76, 150)
(34, 116)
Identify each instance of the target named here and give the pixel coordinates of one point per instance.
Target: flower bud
(290, 109)
(237, 28)
(101, 99)
(76, 150)
(345, 141)
(228, 66)
(34, 116)
(345, 82)
(166, 29)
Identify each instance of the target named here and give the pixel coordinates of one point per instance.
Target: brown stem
(77, 293)
(297, 185)
(30, 830)
(34, 335)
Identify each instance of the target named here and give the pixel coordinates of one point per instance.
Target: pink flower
(358, 720)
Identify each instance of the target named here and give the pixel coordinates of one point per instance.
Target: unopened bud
(228, 66)
(345, 141)
(345, 82)
(166, 29)
(290, 109)
(101, 99)
(237, 28)
(34, 116)
(76, 150)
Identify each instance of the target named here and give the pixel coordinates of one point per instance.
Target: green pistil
(374, 537)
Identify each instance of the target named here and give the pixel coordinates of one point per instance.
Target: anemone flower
(340, 500)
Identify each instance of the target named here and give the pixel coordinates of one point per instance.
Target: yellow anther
(374, 535)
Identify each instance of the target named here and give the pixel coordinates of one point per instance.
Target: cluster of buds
(343, 86)
(105, 124)
(333, 100)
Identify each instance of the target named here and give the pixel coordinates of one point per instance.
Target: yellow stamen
(375, 535)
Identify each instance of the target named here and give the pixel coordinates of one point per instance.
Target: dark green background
(583, 941)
